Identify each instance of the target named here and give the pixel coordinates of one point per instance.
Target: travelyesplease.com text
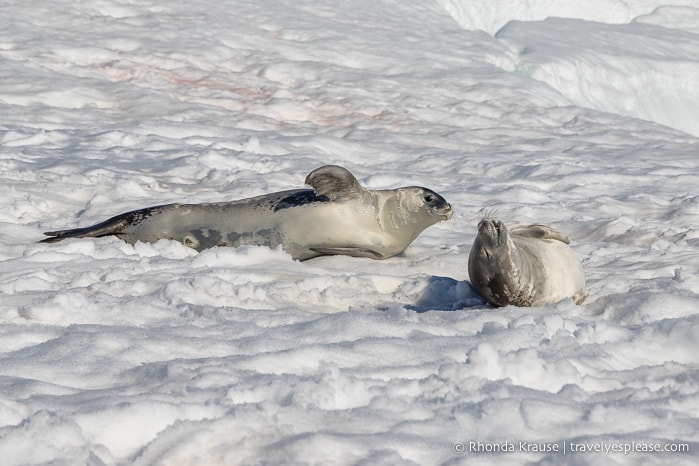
(569, 447)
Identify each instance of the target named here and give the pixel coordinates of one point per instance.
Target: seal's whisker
(490, 214)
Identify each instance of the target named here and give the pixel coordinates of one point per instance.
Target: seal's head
(432, 203)
(411, 209)
(492, 265)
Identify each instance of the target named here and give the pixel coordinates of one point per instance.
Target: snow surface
(155, 354)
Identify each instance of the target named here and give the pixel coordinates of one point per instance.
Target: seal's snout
(494, 231)
(437, 204)
(487, 227)
(447, 211)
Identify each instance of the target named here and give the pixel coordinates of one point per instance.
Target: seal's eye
(429, 198)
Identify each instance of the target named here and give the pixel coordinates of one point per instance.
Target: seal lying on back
(337, 216)
(527, 266)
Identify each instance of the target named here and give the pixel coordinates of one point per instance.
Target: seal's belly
(316, 230)
(552, 269)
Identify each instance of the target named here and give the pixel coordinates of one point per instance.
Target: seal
(337, 216)
(526, 266)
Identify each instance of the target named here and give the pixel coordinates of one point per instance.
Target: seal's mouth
(445, 212)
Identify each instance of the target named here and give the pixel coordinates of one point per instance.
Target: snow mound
(640, 70)
(636, 59)
(490, 16)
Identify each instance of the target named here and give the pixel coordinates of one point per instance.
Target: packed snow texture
(583, 118)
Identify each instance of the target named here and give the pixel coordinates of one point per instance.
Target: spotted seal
(526, 266)
(337, 216)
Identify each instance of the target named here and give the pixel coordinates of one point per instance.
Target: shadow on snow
(447, 294)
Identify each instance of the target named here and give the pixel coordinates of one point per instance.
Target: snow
(579, 117)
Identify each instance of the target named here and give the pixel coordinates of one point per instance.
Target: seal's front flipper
(113, 226)
(354, 252)
(580, 296)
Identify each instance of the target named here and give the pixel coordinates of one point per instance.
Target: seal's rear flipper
(113, 226)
